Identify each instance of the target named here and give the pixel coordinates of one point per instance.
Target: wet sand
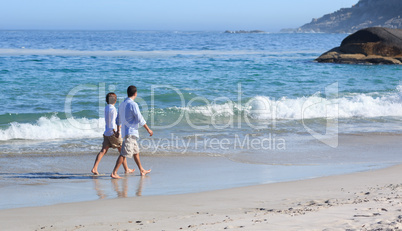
(64, 178)
(48, 182)
(359, 201)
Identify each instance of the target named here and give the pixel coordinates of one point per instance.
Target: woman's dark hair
(131, 90)
(111, 98)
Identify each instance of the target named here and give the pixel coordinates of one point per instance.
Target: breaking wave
(257, 108)
(53, 128)
(316, 106)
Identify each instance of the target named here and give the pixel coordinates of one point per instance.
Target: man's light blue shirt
(130, 118)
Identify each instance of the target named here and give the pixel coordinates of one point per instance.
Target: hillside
(366, 13)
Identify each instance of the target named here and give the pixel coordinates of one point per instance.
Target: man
(130, 119)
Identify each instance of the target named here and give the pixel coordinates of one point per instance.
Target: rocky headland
(366, 13)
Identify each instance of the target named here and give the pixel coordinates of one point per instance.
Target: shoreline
(362, 200)
(55, 184)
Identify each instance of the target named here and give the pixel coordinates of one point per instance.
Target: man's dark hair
(111, 98)
(131, 90)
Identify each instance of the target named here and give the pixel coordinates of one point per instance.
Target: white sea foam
(226, 109)
(259, 107)
(265, 108)
(53, 128)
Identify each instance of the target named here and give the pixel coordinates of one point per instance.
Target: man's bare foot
(115, 176)
(144, 172)
(95, 172)
(130, 170)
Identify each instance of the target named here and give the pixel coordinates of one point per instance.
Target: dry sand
(360, 201)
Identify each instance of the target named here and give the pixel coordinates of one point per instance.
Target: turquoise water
(250, 98)
(213, 78)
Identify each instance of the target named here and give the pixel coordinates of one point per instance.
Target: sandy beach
(360, 201)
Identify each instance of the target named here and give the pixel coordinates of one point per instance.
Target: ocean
(248, 101)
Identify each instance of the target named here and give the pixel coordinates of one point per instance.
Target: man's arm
(137, 115)
(140, 120)
(148, 130)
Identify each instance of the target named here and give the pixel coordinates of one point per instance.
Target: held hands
(116, 134)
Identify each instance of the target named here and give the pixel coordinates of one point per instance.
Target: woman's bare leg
(98, 159)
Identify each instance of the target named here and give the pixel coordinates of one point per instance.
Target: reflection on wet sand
(120, 186)
(123, 192)
(140, 184)
(98, 189)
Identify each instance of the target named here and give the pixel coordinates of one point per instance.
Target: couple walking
(124, 124)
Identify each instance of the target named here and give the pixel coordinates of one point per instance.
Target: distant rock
(244, 31)
(375, 45)
(366, 13)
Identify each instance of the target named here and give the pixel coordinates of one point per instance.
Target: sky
(186, 15)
